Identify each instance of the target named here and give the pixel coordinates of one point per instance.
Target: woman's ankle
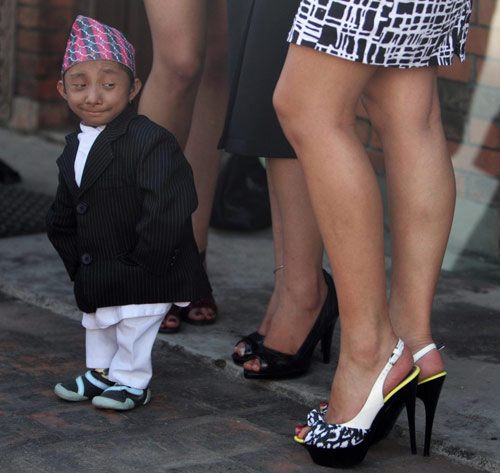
(355, 378)
(430, 364)
(307, 294)
(265, 323)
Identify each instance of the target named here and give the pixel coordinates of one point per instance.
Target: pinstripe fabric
(125, 236)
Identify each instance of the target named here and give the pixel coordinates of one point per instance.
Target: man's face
(97, 91)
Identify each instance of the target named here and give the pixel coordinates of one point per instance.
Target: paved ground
(200, 419)
(204, 416)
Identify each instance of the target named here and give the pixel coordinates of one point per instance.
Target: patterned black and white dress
(398, 33)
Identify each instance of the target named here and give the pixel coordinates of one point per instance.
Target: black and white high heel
(345, 445)
(428, 390)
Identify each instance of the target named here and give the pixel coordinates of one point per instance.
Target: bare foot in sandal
(202, 312)
(172, 321)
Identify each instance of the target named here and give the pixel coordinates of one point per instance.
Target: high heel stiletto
(428, 390)
(277, 365)
(346, 445)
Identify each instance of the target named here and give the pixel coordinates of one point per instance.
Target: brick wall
(7, 37)
(41, 35)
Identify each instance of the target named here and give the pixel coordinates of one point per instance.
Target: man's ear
(61, 89)
(134, 90)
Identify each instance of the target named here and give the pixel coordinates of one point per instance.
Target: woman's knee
(181, 68)
(380, 118)
(303, 117)
(389, 121)
(390, 109)
(286, 104)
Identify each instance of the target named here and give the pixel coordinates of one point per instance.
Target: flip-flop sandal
(205, 302)
(175, 311)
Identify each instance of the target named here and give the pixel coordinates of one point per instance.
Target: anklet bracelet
(281, 266)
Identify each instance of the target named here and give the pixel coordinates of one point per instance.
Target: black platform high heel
(346, 445)
(277, 365)
(428, 390)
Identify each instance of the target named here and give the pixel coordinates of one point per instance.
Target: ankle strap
(396, 353)
(424, 351)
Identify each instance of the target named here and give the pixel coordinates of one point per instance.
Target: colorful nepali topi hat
(90, 40)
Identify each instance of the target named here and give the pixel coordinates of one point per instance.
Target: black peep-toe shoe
(252, 343)
(428, 390)
(346, 445)
(277, 365)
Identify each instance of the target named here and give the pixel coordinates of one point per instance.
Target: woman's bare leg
(421, 192)
(302, 288)
(186, 93)
(206, 128)
(315, 100)
(279, 258)
(179, 32)
(208, 119)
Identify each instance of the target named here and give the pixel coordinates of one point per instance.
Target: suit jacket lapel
(66, 162)
(101, 153)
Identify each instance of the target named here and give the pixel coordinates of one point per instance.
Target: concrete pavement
(200, 419)
(246, 425)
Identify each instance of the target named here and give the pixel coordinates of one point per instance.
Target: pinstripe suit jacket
(125, 235)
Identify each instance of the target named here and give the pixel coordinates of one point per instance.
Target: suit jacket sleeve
(165, 181)
(61, 228)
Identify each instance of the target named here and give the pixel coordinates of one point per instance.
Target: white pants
(125, 348)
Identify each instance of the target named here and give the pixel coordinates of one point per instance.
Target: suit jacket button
(81, 208)
(86, 258)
